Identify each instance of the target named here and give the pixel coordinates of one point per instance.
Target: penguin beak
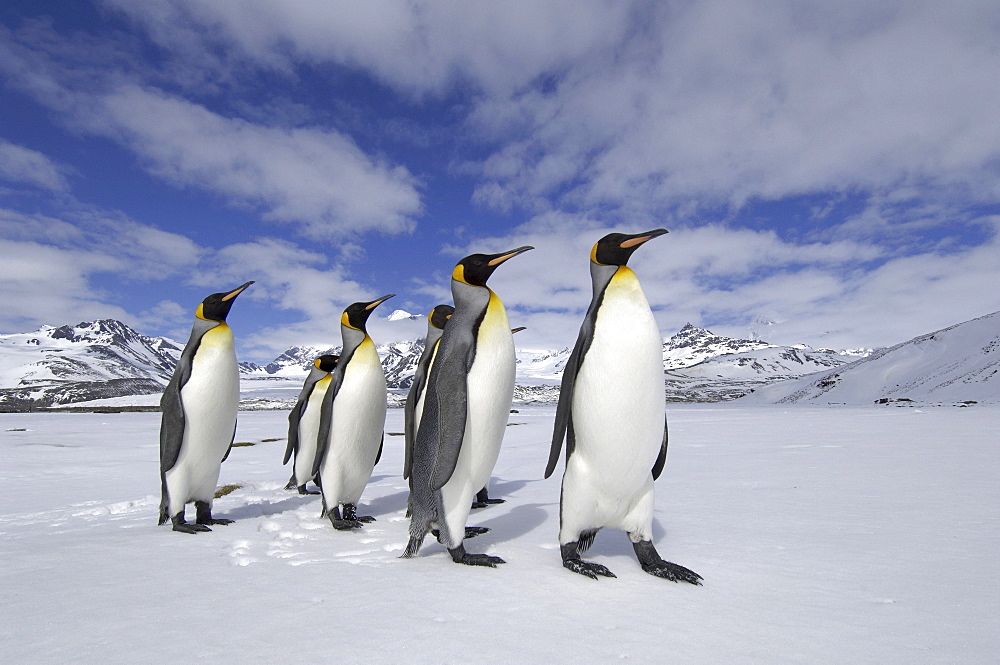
(375, 303)
(237, 291)
(640, 238)
(517, 330)
(503, 256)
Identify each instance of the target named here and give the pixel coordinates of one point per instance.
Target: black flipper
(661, 459)
(417, 388)
(564, 415)
(451, 384)
(230, 448)
(378, 456)
(172, 417)
(293, 430)
(315, 375)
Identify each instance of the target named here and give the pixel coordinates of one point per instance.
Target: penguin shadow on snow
(386, 505)
(504, 489)
(265, 508)
(515, 523)
(615, 543)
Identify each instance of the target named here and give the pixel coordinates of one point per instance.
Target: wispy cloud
(316, 179)
(23, 165)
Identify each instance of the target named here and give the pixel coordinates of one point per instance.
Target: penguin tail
(586, 540)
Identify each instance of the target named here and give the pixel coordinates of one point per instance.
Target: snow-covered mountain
(91, 360)
(692, 345)
(103, 359)
(959, 364)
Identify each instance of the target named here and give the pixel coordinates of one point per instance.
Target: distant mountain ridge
(106, 358)
(91, 360)
(955, 365)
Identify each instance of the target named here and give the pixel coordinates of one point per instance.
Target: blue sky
(828, 171)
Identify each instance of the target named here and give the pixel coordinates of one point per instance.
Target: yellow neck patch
(593, 255)
(458, 273)
(200, 311)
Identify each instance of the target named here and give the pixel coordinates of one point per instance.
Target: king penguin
(611, 413)
(199, 416)
(465, 411)
(303, 423)
(352, 417)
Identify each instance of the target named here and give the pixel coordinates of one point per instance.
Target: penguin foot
(483, 499)
(587, 568)
(302, 490)
(674, 573)
(350, 513)
(459, 555)
(572, 561)
(216, 520)
(653, 564)
(291, 484)
(204, 509)
(345, 525)
(473, 531)
(184, 527)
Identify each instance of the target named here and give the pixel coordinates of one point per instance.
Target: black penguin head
(216, 306)
(477, 268)
(439, 316)
(615, 249)
(356, 315)
(326, 362)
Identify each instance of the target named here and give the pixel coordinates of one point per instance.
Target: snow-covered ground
(825, 535)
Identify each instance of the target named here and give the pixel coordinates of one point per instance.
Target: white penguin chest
(359, 407)
(309, 422)
(618, 402)
(211, 395)
(490, 391)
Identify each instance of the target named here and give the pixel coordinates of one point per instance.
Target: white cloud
(23, 165)
(316, 179)
(48, 266)
(724, 101)
(416, 47)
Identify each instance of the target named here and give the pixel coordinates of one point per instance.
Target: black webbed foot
(205, 514)
(459, 555)
(572, 561)
(653, 564)
(351, 514)
(342, 523)
(473, 531)
(483, 499)
(182, 526)
(587, 568)
(302, 490)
